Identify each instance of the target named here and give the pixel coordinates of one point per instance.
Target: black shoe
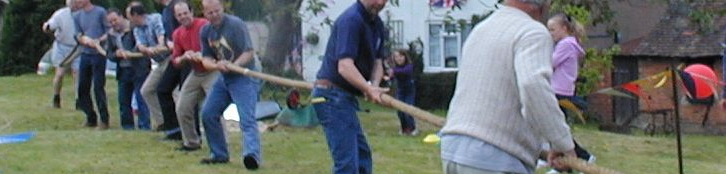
(187, 148)
(56, 101)
(89, 125)
(175, 136)
(250, 162)
(172, 137)
(214, 161)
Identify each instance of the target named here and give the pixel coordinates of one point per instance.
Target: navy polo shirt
(168, 19)
(358, 35)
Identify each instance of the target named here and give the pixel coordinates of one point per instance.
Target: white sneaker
(542, 164)
(591, 159)
(552, 171)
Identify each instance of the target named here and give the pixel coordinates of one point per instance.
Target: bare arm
(244, 58)
(209, 63)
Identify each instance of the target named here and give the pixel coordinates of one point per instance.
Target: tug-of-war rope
(387, 100)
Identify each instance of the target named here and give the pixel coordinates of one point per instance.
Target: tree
(284, 30)
(23, 43)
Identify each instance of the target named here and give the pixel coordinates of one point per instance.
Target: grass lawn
(63, 145)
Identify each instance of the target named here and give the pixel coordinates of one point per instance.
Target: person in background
(565, 64)
(61, 22)
(402, 72)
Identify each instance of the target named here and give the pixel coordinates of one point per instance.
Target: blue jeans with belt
(346, 141)
(244, 92)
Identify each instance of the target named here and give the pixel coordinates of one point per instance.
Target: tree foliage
(23, 43)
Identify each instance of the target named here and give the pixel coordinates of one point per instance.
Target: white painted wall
(415, 14)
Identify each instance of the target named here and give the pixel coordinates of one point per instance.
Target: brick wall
(602, 105)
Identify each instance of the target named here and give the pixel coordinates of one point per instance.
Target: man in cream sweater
(503, 107)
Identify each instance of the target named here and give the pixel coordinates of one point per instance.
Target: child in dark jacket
(402, 71)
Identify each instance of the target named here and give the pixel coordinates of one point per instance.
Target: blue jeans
(406, 92)
(93, 67)
(129, 83)
(347, 144)
(244, 92)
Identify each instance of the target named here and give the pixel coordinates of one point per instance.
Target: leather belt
(323, 83)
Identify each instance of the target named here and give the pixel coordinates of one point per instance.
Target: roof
(675, 36)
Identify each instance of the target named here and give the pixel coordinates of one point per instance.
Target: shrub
(434, 90)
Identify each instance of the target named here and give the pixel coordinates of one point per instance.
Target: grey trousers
(148, 92)
(193, 91)
(455, 168)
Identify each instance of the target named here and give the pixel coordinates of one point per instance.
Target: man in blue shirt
(92, 25)
(150, 35)
(168, 19)
(226, 40)
(352, 66)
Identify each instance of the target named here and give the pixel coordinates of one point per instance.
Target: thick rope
(573, 162)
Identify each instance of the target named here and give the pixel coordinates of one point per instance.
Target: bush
(434, 90)
(149, 5)
(23, 43)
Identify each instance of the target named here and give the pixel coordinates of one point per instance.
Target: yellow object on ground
(431, 139)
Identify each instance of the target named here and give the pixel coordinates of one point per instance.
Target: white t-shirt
(65, 29)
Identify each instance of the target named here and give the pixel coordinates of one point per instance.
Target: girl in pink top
(565, 63)
(565, 31)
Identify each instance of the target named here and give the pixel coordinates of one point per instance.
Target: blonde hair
(574, 27)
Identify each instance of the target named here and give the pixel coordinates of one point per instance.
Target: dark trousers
(173, 77)
(92, 68)
(406, 92)
(582, 153)
(129, 83)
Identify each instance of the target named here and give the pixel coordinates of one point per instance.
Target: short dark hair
(113, 10)
(138, 10)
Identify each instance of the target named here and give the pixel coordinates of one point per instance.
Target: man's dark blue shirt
(168, 19)
(356, 34)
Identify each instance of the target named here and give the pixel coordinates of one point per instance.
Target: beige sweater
(503, 94)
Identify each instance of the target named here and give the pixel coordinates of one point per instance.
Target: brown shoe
(102, 126)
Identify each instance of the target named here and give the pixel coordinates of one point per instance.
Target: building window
(445, 42)
(395, 31)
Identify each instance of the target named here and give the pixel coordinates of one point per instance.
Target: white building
(409, 21)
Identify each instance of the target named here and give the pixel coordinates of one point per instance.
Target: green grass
(62, 145)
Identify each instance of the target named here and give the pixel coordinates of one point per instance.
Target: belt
(325, 84)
